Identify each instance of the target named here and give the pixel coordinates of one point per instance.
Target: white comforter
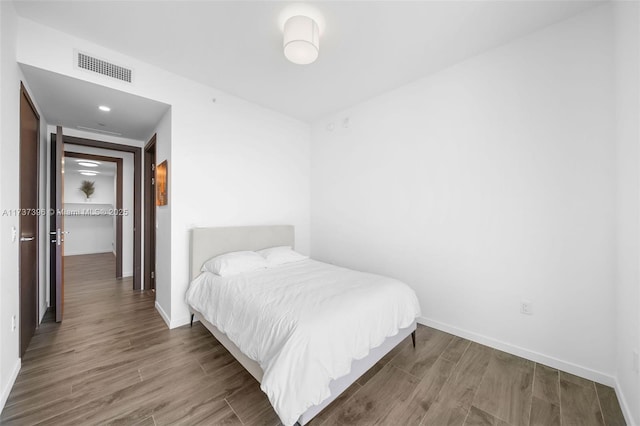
(304, 323)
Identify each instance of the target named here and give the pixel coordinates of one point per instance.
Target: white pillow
(281, 255)
(235, 263)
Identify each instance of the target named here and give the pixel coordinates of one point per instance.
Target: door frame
(118, 205)
(137, 193)
(56, 228)
(150, 214)
(37, 243)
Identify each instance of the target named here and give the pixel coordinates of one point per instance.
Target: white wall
(251, 166)
(163, 223)
(627, 49)
(88, 233)
(488, 183)
(230, 161)
(9, 132)
(104, 188)
(10, 78)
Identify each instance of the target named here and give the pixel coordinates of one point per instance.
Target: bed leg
(413, 338)
(192, 322)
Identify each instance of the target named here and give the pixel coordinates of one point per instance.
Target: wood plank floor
(113, 361)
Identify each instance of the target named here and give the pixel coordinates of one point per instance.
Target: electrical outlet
(526, 307)
(636, 362)
(13, 323)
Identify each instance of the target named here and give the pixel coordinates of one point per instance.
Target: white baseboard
(173, 323)
(12, 379)
(182, 321)
(624, 406)
(163, 314)
(566, 366)
(82, 252)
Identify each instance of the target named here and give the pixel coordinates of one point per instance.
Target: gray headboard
(209, 242)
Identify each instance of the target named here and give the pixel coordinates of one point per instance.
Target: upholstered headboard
(209, 242)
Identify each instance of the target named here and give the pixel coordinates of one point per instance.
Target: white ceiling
(105, 168)
(73, 103)
(368, 47)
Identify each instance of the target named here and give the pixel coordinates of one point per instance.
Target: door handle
(58, 233)
(25, 239)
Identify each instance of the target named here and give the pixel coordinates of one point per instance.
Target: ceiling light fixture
(301, 40)
(104, 108)
(85, 163)
(88, 172)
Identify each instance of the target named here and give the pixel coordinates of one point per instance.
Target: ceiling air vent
(99, 66)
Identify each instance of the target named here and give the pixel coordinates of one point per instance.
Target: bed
(293, 399)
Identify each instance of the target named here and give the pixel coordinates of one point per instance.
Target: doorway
(150, 215)
(28, 223)
(94, 162)
(137, 190)
(56, 263)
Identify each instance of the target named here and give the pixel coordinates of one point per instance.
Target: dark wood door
(56, 224)
(29, 141)
(150, 215)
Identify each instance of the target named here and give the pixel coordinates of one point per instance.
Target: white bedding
(304, 323)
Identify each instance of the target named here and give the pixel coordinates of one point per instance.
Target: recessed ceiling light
(87, 164)
(104, 108)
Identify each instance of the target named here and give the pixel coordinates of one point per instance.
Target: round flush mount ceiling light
(87, 164)
(88, 173)
(301, 39)
(104, 108)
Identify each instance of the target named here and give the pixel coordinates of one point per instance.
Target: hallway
(113, 360)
